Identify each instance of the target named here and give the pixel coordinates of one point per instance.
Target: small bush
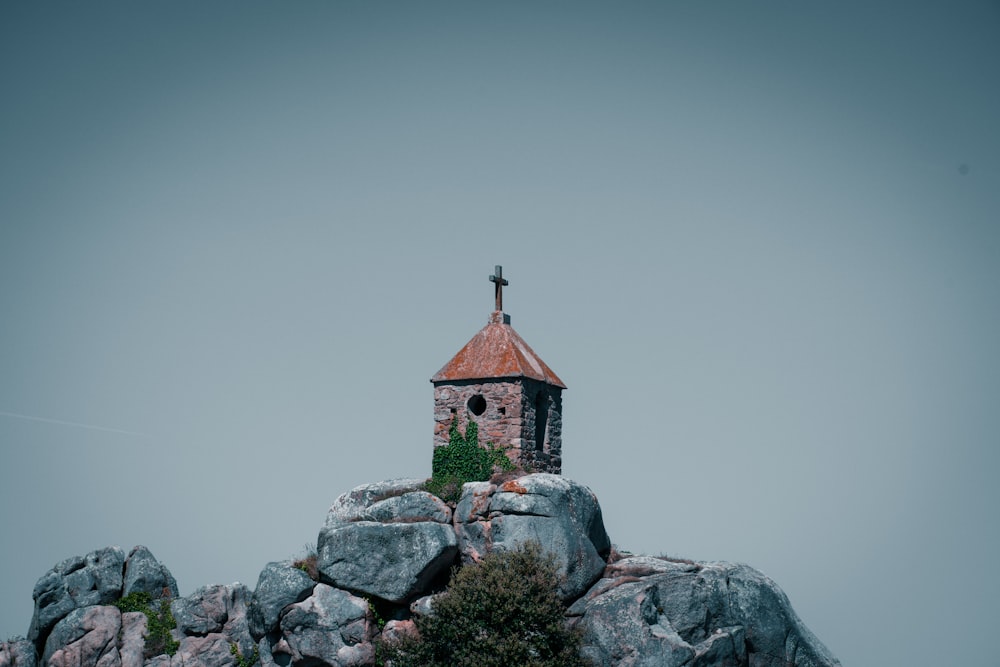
(159, 622)
(376, 616)
(504, 611)
(135, 601)
(244, 661)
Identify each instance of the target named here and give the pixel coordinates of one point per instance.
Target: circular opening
(477, 405)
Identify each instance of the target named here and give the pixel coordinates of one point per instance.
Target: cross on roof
(498, 278)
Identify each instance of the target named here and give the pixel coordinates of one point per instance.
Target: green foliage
(159, 622)
(503, 611)
(244, 661)
(463, 460)
(135, 601)
(379, 619)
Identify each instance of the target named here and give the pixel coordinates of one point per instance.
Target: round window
(477, 404)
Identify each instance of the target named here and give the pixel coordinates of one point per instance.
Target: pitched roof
(497, 351)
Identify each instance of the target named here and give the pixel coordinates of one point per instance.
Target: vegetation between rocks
(159, 622)
(244, 661)
(463, 460)
(503, 611)
(308, 562)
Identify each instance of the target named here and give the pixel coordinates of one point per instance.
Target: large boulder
(211, 650)
(393, 561)
(279, 585)
(389, 540)
(215, 610)
(80, 581)
(132, 642)
(694, 614)
(330, 627)
(86, 637)
(558, 513)
(353, 505)
(412, 506)
(143, 573)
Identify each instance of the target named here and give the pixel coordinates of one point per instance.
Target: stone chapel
(498, 381)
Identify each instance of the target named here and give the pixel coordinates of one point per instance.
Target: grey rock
(204, 611)
(393, 561)
(560, 514)
(725, 646)
(144, 573)
(397, 630)
(264, 650)
(133, 638)
(278, 586)
(423, 606)
(330, 627)
(18, 653)
(474, 502)
(409, 507)
(621, 627)
(217, 609)
(353, 505)
(86, 637)
(642, 566)
(80, 581)
(699, 615)
(212, 650)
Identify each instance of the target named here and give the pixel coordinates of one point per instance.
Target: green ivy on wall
(463, 460)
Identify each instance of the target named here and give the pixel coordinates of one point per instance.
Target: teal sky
(758, 241)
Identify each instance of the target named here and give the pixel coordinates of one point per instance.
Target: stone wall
(542, 399)
(507, 416)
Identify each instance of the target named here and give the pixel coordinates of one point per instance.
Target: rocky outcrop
(361, 524)
(146, 574)
(384, 553)
(556, 512)
(77, 582)
(653, 612)
(354, 557)
(330, 627)
(132, 644)
(86, 637)
(17, 653)
(211, 612)
(280, 584)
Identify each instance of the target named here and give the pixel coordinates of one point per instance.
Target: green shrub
(463, 460)
(159, 622)
(241, 660)
(503, 611)
(135, 601)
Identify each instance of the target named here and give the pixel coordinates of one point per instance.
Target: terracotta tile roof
(497, 351)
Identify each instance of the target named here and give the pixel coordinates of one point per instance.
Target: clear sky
(758, 241)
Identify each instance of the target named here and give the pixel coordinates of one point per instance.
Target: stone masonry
(521, 415)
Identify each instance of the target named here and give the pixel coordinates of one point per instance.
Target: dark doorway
(541, 419)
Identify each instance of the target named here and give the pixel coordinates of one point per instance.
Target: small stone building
(514, 398)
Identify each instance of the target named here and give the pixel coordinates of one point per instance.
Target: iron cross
(498, 278)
